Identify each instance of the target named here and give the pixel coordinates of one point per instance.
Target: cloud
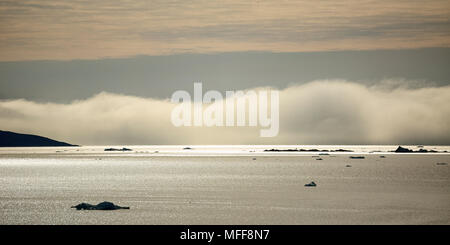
(342, 112)
(65, 30)
(319, 112)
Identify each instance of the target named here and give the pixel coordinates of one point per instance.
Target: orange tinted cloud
(31, 30)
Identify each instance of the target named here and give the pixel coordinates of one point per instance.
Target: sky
(71, 29)
(348, 72)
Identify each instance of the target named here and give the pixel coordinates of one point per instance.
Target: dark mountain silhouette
(11, 139)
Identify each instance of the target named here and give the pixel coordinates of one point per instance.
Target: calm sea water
(224, 185)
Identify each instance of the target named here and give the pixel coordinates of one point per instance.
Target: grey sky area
(160, 76)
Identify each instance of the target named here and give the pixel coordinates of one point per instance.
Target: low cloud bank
(319, 112)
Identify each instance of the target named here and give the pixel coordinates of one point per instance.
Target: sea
(225, 185)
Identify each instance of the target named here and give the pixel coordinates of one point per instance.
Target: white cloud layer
(319, 112)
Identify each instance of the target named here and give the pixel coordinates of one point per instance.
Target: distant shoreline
(12, 139)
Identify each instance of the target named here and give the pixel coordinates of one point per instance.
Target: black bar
(241, 234)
